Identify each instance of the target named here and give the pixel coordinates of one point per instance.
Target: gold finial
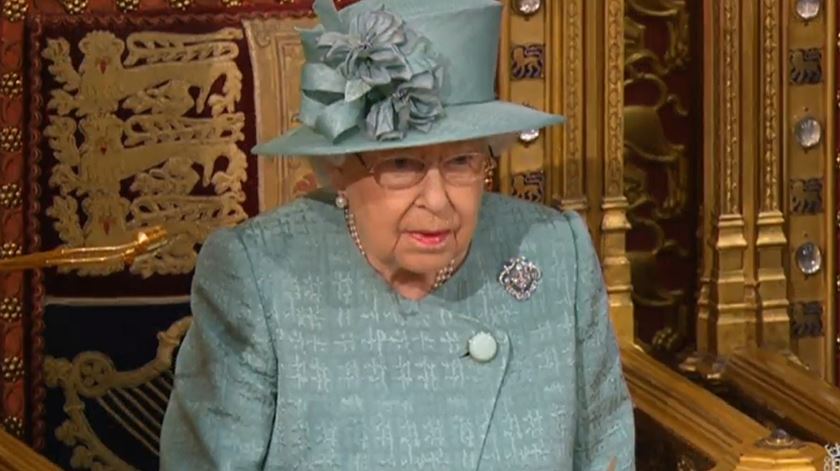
(146, 241)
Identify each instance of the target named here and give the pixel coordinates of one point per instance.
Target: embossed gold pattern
(614, 224)
(74, 7)
(10, 195)
(180, 4)
(10, 249)
(12, 368)
(529, 186)
(127, 6)
(11, 139)
(135, 400)
(614, 99)
(11, 85)
(771, 144)
(574, 104)
(13, 425)
(731, 78)
(161, 152)
(15, 10)
(11, 309)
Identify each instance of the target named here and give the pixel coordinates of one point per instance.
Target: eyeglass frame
(490, 164)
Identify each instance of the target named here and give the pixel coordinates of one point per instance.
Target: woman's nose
(433, 191)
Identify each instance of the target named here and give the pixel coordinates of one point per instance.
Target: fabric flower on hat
(413, 104)
(369, 54)
(375, 73)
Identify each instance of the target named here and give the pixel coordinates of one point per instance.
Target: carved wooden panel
(662, 166)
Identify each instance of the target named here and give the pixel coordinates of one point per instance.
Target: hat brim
(461, 123)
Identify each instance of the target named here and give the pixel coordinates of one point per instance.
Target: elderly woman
(408, 320)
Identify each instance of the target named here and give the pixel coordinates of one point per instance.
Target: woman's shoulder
(310, 214)
(514, 215)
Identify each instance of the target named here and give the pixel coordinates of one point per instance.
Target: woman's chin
(429, 264)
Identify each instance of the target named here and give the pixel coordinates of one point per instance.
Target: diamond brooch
(520, 278)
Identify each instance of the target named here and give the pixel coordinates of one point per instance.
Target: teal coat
(301, 358)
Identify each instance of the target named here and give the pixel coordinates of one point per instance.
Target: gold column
(725, 323)
(614, 224)
(565, 79)
(771, 242)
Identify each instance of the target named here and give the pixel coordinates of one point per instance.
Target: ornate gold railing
(707, 428)
(793, 396)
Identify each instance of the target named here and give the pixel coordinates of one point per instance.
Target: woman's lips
(430, 239)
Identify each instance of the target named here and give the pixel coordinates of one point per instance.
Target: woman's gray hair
(321, 166)
(498, 145)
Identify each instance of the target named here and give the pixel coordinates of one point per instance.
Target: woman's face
(406, 224)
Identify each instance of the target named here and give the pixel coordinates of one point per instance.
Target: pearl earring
(341, 201)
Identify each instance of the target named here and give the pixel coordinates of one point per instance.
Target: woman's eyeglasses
(402, 172)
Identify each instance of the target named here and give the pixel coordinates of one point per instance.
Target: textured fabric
(301, 358)
(462, 122)
(460, 47)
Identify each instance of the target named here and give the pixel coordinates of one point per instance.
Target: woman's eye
(401, 163)
(461, 161)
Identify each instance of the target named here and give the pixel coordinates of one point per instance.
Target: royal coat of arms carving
(145, 131)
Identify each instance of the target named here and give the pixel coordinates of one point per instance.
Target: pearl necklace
(442, 276)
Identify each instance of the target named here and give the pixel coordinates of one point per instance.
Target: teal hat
(402, 73)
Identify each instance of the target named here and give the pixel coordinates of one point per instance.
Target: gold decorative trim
(614, 126)
(12, 368)
(74, 7)
(11, 309)
(232, 3)
(11, 84)
(180, 4)
(11, 139)
(731, 81)
(13, 425)
(771, 65)
(15, 10)
(614, 224)
(565, 79)
(127, 6)
(10, 249)
(11, 195)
